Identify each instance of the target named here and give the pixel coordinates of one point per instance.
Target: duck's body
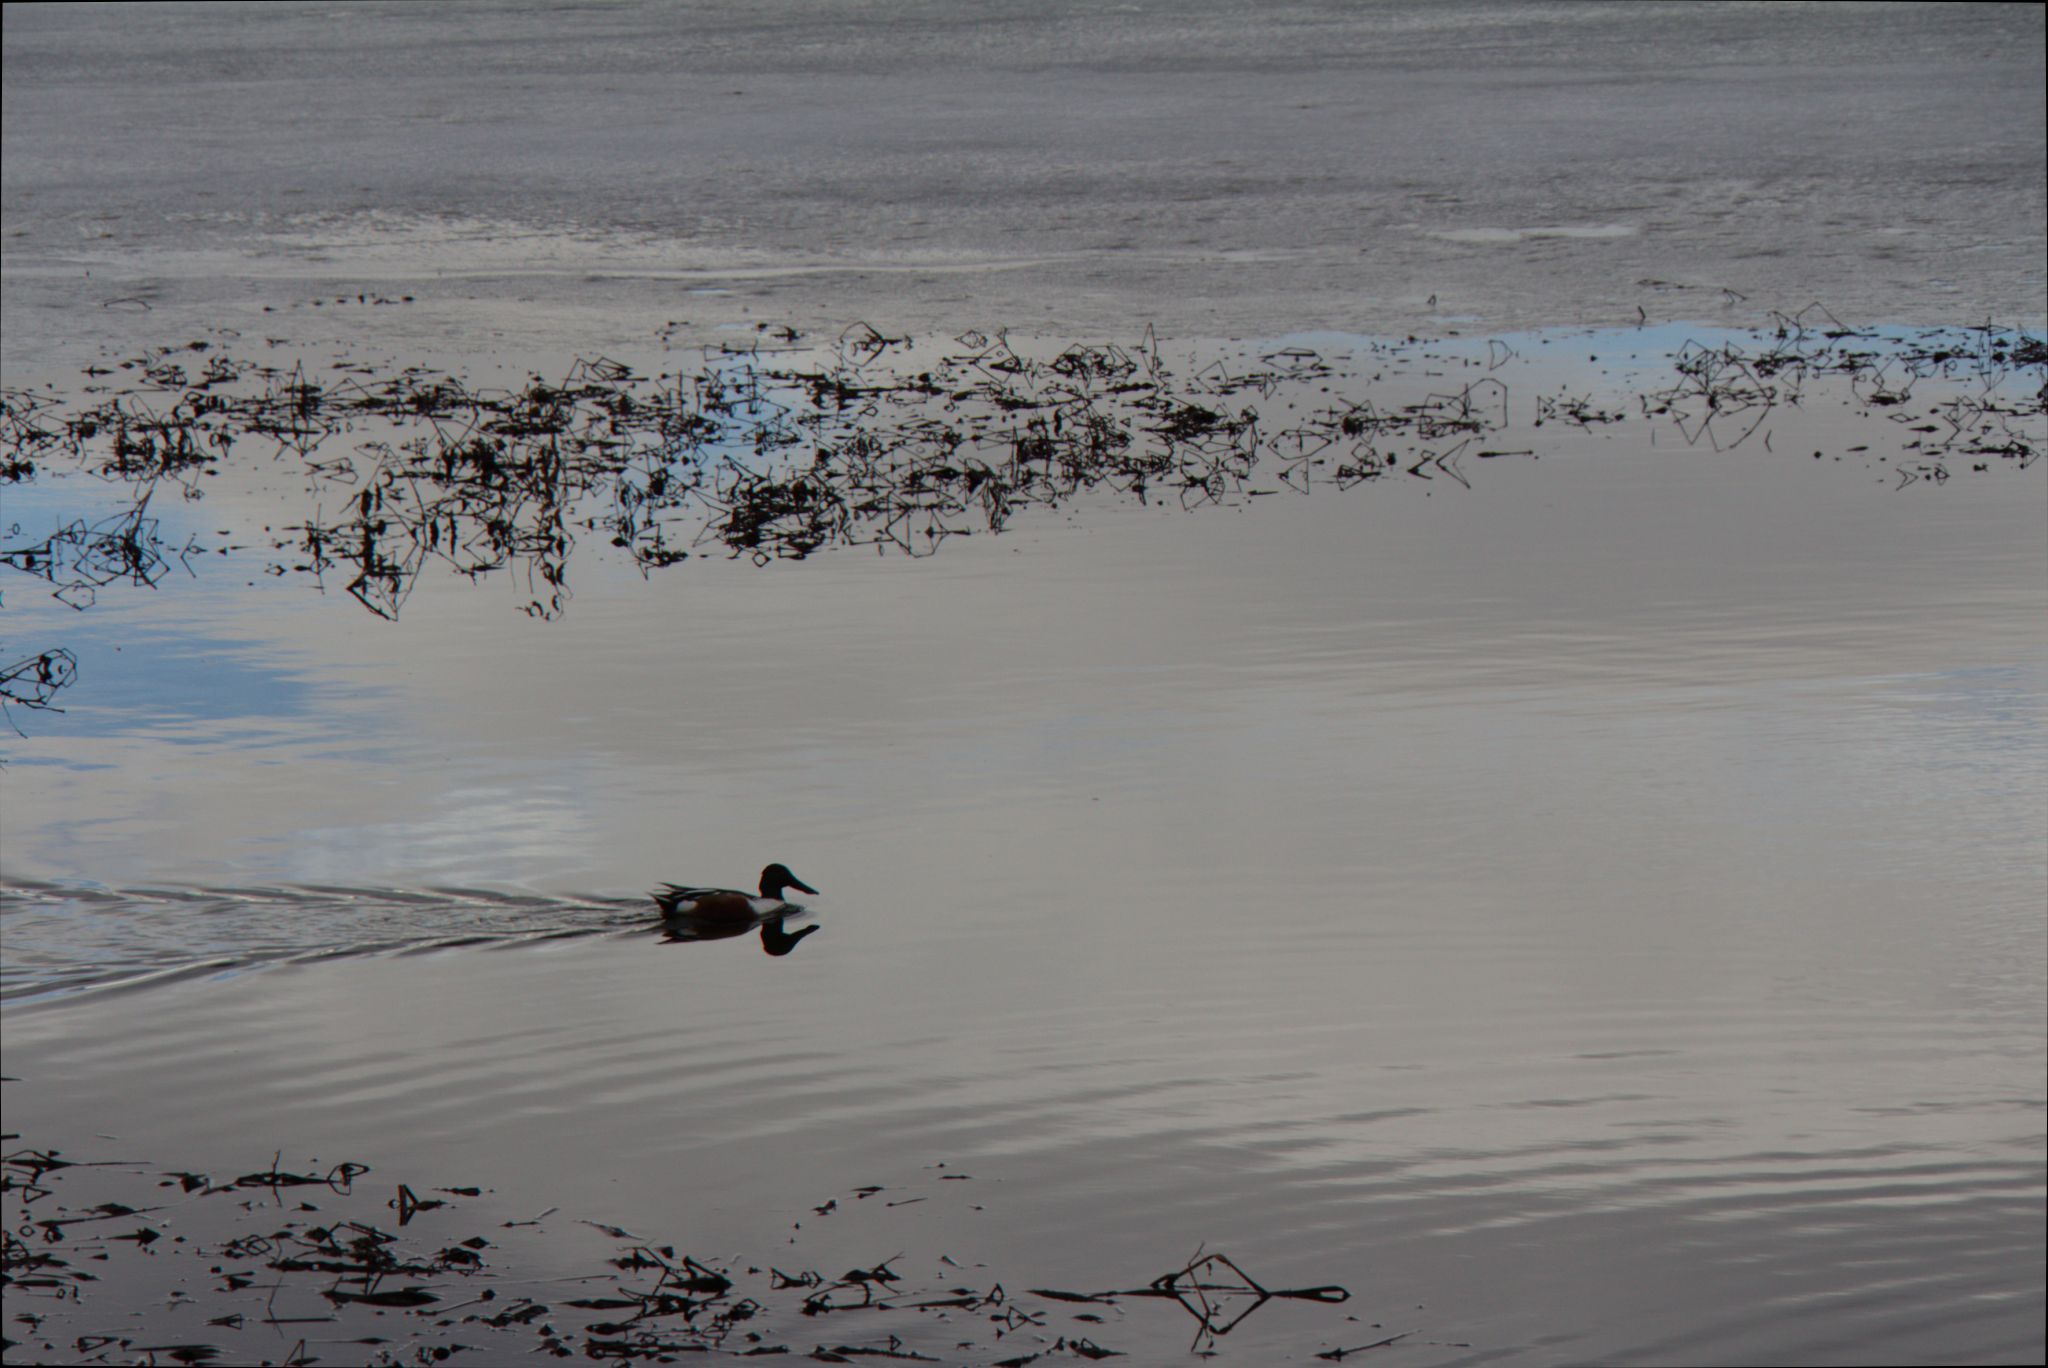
(679, 902)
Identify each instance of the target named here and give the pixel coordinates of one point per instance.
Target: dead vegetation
(780, 450)
(300, 1267)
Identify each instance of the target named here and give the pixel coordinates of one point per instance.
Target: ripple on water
(1745, 1166)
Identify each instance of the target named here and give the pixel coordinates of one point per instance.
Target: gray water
(1587, 904)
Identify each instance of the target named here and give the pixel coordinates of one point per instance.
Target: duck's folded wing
(675, 898)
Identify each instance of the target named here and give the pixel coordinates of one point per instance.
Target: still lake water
(1588, 909)
(1587, 904)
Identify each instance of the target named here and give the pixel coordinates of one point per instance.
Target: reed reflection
(777, 451)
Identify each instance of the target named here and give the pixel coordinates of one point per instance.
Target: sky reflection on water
(1595, 908)
(1585, 903)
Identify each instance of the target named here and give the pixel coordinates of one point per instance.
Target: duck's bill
(799, 883)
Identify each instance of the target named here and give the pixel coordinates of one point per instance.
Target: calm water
(1591, 914)
(1586, 903)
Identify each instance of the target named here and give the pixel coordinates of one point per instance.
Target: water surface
(1541, 829)
(1587, 909)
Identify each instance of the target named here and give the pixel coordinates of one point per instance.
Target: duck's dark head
(776, 877)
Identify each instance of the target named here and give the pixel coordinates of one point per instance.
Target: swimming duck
(679, 902)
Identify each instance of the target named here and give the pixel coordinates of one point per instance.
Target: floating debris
(72, 1273)
(1212, 1289)
(775, 451)
(36, 681)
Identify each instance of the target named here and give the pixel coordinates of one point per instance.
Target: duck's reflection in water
(776, 938)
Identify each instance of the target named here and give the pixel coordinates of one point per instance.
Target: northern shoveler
(681, 903)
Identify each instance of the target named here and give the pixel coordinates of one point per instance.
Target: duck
(679, 902)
